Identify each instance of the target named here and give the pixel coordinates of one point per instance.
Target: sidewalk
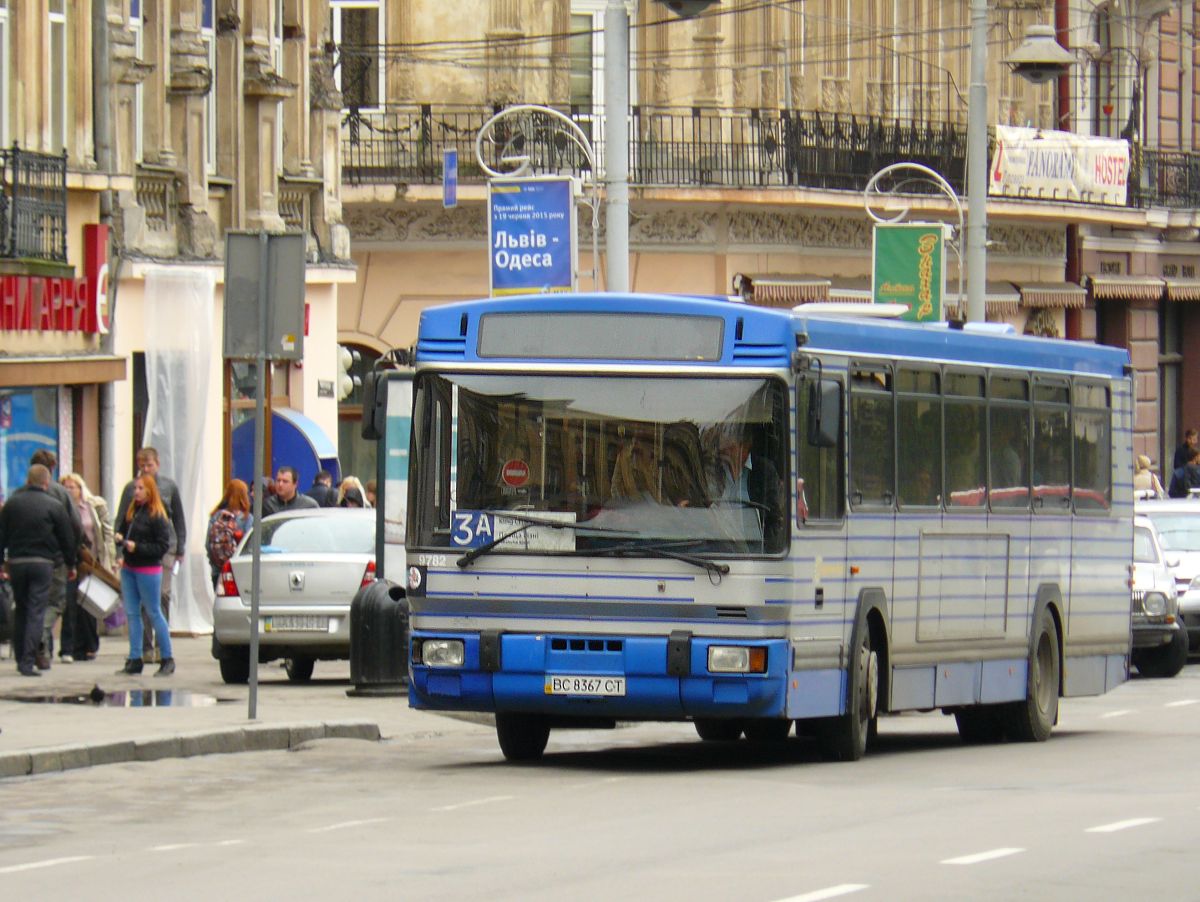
(144, 718)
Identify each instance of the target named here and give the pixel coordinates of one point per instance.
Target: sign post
(449, 178)
(264, 320)
(531, 235)
(909, 267)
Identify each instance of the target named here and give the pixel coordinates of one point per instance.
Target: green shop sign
(910, 268)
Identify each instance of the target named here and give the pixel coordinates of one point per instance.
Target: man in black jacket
(35, 531)
(56, 605)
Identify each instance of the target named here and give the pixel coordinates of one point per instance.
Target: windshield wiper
(527, 522)
(663, 549)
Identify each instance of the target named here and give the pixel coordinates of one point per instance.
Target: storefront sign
(1034, 163)
(531, 235)
(910, 268)
(53, 304)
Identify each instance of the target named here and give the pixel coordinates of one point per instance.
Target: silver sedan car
(313, 562)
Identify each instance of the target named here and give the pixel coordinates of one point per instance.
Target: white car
(1159, 640)
(312, 564)
(1177, 521)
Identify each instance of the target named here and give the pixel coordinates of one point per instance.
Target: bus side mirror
(824, 413)
(374, 413)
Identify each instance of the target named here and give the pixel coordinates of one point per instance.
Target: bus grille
(576, 643)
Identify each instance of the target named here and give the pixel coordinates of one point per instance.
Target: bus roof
(747, 336)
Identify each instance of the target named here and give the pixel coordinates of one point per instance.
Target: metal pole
(381, 491)
(976, 237)
(616, 143)
(260, 365)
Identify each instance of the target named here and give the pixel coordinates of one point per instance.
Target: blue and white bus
(644, 507)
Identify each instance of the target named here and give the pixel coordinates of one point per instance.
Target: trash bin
(379, 640)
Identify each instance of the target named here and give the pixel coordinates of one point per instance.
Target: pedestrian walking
(143, 537)
(1145, 481)
(80, 635)
(35, 533)
(322, 490)
(286, 497)
(147, 463)
(227, 524)
(57, 602)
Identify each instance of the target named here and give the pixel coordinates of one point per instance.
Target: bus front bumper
(599, 676)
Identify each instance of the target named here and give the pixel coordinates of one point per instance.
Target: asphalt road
(1106, 809)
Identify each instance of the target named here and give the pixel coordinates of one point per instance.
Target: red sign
(515, 473)
(53, 304)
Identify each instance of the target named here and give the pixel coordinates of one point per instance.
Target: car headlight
(1154, 604)
(442, 653)
(736, 659)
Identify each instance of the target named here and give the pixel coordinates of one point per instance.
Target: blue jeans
(140, 593)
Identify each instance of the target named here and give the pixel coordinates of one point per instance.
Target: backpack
(224, 533)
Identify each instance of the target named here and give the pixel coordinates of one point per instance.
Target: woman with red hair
(143, 536)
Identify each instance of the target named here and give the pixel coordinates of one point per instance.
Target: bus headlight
(442, 653)
(1154, 604)
(736, 659)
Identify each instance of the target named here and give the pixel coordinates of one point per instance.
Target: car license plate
(585, 685)
(296, 623)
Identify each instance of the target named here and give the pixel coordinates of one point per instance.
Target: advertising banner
(909, 268)
(1036, 163)
(531, 235)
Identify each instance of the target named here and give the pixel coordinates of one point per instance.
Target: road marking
(171, 847)
(1123, 825)
(830, 892)
(978, 857)
(1182, 703)
(486, 801)
(48, 863)
(1121, 713)
(346, 824)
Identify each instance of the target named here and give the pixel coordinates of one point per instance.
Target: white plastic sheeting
(179, 352)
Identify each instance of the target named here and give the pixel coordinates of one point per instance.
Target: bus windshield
(613, 462)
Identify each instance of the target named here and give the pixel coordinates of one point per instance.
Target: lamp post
(976, 231)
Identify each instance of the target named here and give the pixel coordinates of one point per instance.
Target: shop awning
(1000, 299)
(774, 290)
(1126, 288)
(21, 372)
(848, 289)
(1053, 294)
(1183, 289)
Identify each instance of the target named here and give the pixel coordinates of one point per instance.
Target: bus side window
(820, 465)
(872, 437)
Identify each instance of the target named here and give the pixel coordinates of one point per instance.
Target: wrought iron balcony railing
(704, 147)
(33, 205)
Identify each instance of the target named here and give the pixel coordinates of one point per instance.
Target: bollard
(379, 640)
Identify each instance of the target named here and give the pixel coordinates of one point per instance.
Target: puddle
(133, 698)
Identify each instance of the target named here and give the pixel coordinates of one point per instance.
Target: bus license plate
(296, 623)
(585, 685)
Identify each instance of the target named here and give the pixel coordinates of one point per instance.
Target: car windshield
(1144, 551)
(618, 459)
(331, 534)
(1178, 532)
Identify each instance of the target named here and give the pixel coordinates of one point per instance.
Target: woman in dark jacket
(143, 536)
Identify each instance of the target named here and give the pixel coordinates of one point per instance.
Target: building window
(357, 27)
(58, 75)
(208, 37)
(4, 77)
(28, 423)
(139, 93)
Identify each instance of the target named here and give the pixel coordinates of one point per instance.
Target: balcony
(33, 205)
(704, 147)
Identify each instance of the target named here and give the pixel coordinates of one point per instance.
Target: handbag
(97, 597)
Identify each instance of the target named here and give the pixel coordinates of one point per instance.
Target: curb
(253, 738)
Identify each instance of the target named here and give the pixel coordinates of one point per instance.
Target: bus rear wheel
(1031, 719)
(522, 737)
(845, 738)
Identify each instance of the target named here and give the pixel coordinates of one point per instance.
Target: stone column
(263, 91)
(231, 139)
(296, 25)
(127, 72)
(503, 74)
(191, 80)
(156, 112)
(708, 39)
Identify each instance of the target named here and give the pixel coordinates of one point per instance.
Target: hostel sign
(531, 235)
(910, 268)
(1054, 165)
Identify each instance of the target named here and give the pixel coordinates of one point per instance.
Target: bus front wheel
(523, 737)
(845, 738)
(1031, 719)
